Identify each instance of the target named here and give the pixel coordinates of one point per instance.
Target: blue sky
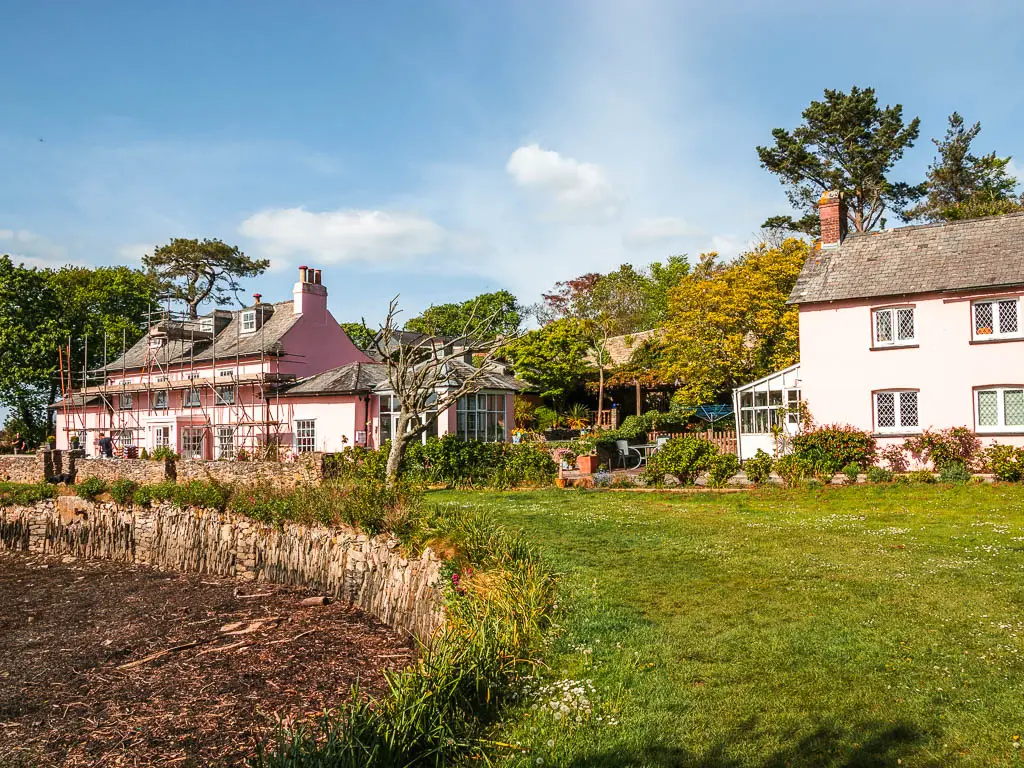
(440, 149)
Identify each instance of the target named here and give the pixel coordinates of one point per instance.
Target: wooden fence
(723, 439)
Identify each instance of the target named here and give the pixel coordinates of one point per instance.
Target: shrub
(896, 457)
(794, 469)
(631, 428)
(955, 473)
(670, 421)
(1005, 462)
(356, 463)
(921, 476)
(546, 418)
(144, 454)
(684, 458)
(721, 468)
(162, 454)
(200, 493)
(852, 472)
(759, 468)
(836, 446)
(123, 491)
(958, 445)
(91, 488)
(263, 504)
(24, 494)
(879, 475)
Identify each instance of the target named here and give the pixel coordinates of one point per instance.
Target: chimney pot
(832, 212)
(316, 276)
(303, 273)
(257, 296)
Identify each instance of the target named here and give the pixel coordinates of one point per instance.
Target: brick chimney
(310, 296)
(832, 211)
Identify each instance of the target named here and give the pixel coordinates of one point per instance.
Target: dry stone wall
(21, 469)
(371, 573)
(306, 469)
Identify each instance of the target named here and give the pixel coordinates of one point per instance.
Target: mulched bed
(216, 670)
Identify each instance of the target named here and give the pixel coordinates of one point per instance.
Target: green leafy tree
(963, 185)
(196, 271)
(452, 319)
(553, 358)
(847, 144)
(730, 322)
(43, 310)
(361, 335)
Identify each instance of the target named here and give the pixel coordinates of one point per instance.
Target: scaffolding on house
(233, 400)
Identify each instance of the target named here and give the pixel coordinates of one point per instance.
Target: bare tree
(432, 373)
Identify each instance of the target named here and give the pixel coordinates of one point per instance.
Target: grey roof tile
(979, 253)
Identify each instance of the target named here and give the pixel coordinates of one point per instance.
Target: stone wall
(307, 469)
(370, 573)
(110, 470)
(21, 469)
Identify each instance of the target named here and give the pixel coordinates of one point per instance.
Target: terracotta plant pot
(586, 464)
(560, 482)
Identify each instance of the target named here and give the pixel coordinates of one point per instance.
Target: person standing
(20, 446)
(106, 446)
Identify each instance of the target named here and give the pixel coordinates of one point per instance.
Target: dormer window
(894, 327)
(249, 321)
(997, 319)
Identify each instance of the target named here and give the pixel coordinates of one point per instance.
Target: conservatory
(767, 413)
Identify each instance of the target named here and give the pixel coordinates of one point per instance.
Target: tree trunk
(399, 442)
(639, 404)
(600, 395)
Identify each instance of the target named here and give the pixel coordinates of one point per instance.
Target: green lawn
(835, 627)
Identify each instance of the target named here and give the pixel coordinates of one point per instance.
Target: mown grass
(835, 627)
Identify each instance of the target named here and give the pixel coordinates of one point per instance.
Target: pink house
(915, 328)
(265, 378)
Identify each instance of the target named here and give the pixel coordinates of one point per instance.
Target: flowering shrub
(759, 468)
(684, 458)
(794, 469)
(836, 446)
(958, 445)
(1004, 461)
(896, 457)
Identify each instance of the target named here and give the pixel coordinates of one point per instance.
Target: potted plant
(586, 455)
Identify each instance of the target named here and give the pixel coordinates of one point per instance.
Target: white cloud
(1013, 170)
(727, 246)
(32, 249)
(340, 236)
(132, 253)
(576, 188)
(656, 231)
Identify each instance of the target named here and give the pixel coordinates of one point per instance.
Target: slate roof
(363, 378)
(228, 342)
(962, 255)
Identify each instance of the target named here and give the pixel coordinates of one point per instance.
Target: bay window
(481, 417)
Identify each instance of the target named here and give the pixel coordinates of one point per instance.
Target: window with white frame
(226, 372)
(760, 410)
(226, 395)
(190, 398)
(305, 435)
(206, 324)
(124, 401)
(160, 399)
(193, 441)
(996, 319)
(161, 437)
(225, 442)
(999, 409)
(896, 411)
(390, 409)
(894, 326)
(249, 321)
(481, 417)
(793, 407)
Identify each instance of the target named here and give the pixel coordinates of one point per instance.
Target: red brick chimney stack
(832, 211)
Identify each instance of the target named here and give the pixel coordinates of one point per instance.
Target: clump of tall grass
(436, 712)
